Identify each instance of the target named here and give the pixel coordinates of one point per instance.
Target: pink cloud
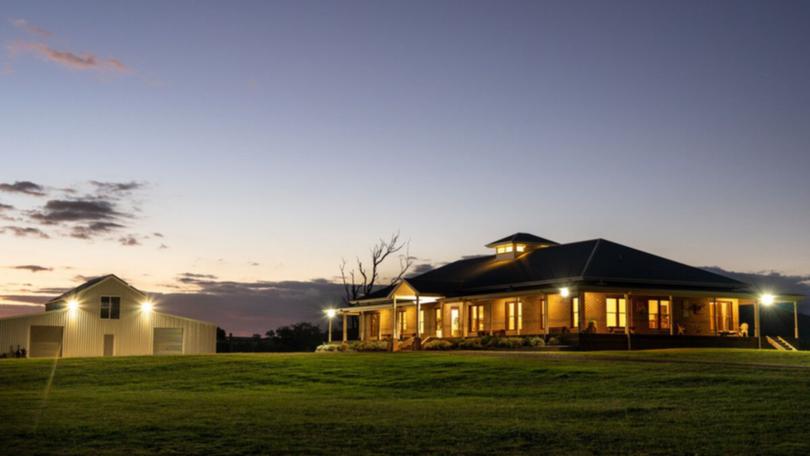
(22, 24)
(82, 62)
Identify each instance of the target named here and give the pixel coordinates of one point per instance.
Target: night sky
(227, 155)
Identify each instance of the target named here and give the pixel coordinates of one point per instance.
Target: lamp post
(765, 300)
(330, 314)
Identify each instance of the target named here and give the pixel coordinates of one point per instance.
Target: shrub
(437, 344)
(553, 341)
(370, 346)
(329, 348)
(473, 343)
(509, 342)
(488, 341)
(535, 342)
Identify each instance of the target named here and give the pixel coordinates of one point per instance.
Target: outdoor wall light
(72, 304)
(565, 292)
(147, 306)
(330, 313)
(767, 299)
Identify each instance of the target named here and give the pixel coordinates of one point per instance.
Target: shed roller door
(168, 341)
(46, 342)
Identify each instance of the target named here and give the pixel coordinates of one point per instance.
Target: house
(593, 294)
(104, 316)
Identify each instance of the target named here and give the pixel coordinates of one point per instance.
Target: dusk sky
(227, 155)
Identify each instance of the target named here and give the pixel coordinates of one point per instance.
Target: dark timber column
(628, 318)
(671, 316)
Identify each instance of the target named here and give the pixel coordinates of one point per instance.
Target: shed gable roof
(89, 284)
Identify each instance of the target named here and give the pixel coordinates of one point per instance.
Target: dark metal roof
(524, 238)
(87, 285)
(596, 262)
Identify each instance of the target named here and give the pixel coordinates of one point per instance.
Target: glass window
(504, 248)
(575, 313)
(110, 307)
(454, 322)
(105, 307)
(520, 248)
(616, 312)
(514, 315)
(477, 318)
(438, 317)
(421, 321)
(658, 311)
(652, 313)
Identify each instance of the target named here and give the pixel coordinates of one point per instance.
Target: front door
(109, 345)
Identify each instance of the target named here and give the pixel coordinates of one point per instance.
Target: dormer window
(503, 249)
(509, 248)
(513, 246)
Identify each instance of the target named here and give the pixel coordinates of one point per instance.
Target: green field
(656, 402)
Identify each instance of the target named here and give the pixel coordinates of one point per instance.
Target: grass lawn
(655, 402)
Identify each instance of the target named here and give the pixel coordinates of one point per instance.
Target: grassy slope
(411, 403)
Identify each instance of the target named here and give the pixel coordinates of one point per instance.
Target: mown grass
(661, 402)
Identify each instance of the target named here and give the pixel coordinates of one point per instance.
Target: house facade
(596, 294)
(104, 317)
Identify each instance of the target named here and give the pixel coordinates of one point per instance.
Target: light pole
(766, 300)
(330, 314)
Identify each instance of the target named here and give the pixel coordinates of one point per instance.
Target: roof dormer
(517, 244)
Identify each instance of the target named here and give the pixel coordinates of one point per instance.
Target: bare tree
(360, 280)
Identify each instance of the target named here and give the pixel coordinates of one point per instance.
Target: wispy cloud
(116, 187)
(32, 268)
(94, 229)
(81, 62)
(76, 210)
(25, 187)
(6, 207)
(23, 24)
(24, 231)
(129, 240)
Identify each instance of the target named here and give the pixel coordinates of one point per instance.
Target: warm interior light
(331, 313)
(565, 292)
(72, 304)
(767, 299)
(147, 306)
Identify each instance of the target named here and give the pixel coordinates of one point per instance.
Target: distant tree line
(299, 337)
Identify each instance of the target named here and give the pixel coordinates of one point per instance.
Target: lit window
(575, 313)
(438, 318)
(514, 315)
(653, 315)
(110, 307)
(616, 312)
(520, 247)
(421, 321)
(658, 314)
(454, 322)
(504, 248)
(477, 318)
